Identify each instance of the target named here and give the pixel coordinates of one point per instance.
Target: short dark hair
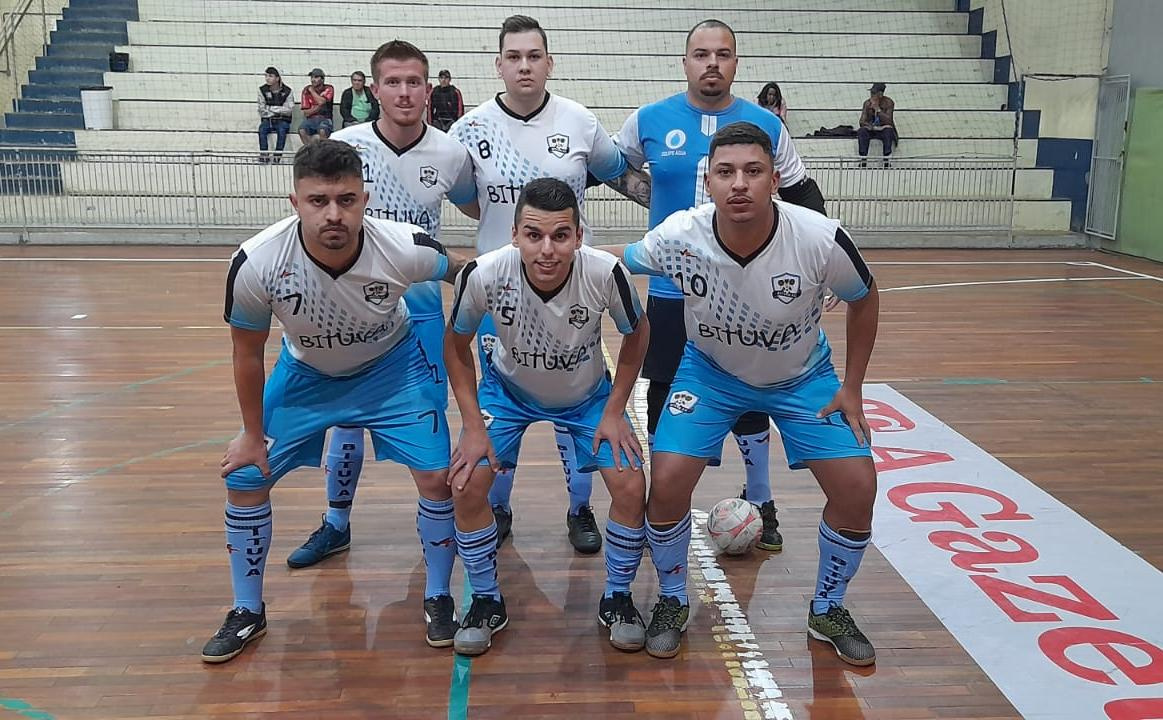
(360, 73)
(548, 194)
(709, 23)
(520, 24)
(329, 159)
(272, 70)
(740, 133)
(397, 50)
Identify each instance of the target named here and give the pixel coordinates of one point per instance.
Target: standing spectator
(771, 98)
(358, 105)
(317, 103)
(276, 102)
(876, 119)
(445, 104)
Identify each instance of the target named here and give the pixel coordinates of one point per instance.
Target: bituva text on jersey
(551, 361)
(412, 217)
(774, 340)
(327, 341)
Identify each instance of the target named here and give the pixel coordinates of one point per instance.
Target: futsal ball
(734, 525)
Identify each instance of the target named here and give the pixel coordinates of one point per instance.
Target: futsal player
(408, 169)
(522, 134)
(756, 271)
(334, 278)
(673, 136)
(546, 294)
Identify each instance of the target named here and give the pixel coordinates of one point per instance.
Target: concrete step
(50, 92)
(79, 49)
(104, 11)
(561, 18)
(660, 65)
(432, 37)
(80, 34)
(38, 105)
(157, 7)
(43, 121)
(72, 63)
(69, 78)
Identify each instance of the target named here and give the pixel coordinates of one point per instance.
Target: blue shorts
(705, 402)
(316, 123)
(506, 417)
(430, 330)
(395, 399)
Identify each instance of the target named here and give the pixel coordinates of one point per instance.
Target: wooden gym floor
(116, 402)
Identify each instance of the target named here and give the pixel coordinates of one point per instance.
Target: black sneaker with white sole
(440, 618)
(241, 627)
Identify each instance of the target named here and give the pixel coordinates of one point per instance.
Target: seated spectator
(276, 102)
(358, 105)
(770, 98)
(876, 120)
(317, 103)
(445, 104)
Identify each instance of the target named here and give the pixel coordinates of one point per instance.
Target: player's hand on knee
(616, 430)
(850, 403)
(472, 447)
(246, 450)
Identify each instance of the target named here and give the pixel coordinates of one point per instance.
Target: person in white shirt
(546, 293)
(522, 134)
(755, 272)
(335, 281)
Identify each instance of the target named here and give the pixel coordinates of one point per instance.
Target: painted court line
(1057, 613)
(1145, 276)
(1020, 281)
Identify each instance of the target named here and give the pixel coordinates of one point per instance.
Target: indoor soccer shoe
(504, 520)
(668, 621)
(323, 542)
(484, 618)
(241, 626)
(769, 539)
(583, 531)
(627, 628)
(837, 628)
(440, 618)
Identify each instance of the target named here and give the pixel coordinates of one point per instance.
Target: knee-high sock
(478, 552)
(756, 450)
(248, 538)
(579, 484)
(437, 531)
(623, 555)
(344, 464)
(668, 549)
(839, 560)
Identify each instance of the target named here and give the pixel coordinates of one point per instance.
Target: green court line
(461, 670)
(109, 393)
(24, 710)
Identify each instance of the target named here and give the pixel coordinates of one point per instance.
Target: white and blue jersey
(560, 139)
(673, 137)
(408, 184)
(757, 318)
(349, 354)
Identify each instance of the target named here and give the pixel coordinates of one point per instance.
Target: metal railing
(44, 188)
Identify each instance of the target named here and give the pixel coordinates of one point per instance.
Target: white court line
(1145, 276)
(1007, 282)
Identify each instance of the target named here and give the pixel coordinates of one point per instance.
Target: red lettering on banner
(979, 560)
(1056, 642)
(1135, 709)
(884, 418)
(999, 591)
(947, 511)
(888, 459)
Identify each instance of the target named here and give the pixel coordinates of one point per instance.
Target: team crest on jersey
(488, 342)
(375, 292)
(681, 402)
(558, 144)
(579, 315)
(428, 176)
(785, 287)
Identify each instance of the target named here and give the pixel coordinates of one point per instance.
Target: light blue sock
(437, 531)
(839, 560)
(756, 450)
(502, 490)
(623, 556)
(579, 484)
(478, 552)
(344, 463)
(668, 549)
(248, 538)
